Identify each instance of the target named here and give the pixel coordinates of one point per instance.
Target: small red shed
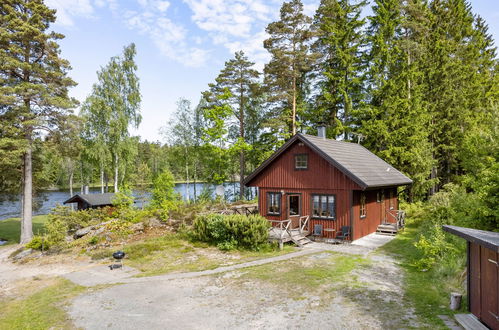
(334, 183)
(482, 272)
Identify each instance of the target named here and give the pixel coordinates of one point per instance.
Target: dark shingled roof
(355, 161)
(93, 199)
(488, 239)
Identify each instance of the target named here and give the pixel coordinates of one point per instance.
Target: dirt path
(234, 300)
(371, 296)
(51, 266)
(101, 275)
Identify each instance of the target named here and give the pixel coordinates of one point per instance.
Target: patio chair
(344, 233)
(317, 230)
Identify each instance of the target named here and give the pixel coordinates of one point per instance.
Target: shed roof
(93, 199)
(355, 161)
(489, 239)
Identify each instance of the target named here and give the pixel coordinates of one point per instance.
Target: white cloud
(68, 9)
(236, 24)
(170, 38)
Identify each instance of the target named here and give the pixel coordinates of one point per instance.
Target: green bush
(229, 232)
(38, 243)
(164, 198)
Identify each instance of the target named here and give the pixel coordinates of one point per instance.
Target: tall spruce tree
(394, 121)
(289, 46)
(240, 78)
(33, 82)
(458, 80)
(339, 44)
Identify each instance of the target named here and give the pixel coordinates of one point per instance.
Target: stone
(98, 231)
(69, 238)
(23, 254)
(82, 232)
(139, 226)
(154, 222)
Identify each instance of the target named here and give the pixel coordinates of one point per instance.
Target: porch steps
(300, 240)
(387, 229)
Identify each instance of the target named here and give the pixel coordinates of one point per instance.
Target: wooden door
(489, 268)
(294, 209)
(382, 206)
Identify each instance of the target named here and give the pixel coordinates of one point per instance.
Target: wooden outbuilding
(482, 273)
(91, 201)
(325, 187)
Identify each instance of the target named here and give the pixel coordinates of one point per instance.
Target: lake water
(44, 201)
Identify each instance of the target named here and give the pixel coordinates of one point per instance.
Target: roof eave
(461, 232)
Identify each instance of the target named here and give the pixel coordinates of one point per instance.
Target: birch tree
(111, 109)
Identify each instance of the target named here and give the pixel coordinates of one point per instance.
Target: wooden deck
(282, 232)
(392, 228)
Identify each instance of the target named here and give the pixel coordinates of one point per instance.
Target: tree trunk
(101, 179)
(71, 175)
(81, 178)
(294, 105)
(116, 176)
(27, 205)
(187, 197)
(195, 177)
(241, 134)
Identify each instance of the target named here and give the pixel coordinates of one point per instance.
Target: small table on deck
(328, 230)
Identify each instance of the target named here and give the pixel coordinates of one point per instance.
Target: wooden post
(455, 301)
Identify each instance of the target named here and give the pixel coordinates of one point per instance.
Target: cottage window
(273, 203)
(301, 162)
(363, 211)
(324, 206)
(380, 196)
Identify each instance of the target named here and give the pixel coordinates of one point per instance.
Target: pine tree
(339, 73)
(289, 46)
(33, 81)
(239, 77)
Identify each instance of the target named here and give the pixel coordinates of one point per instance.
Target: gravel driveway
(231, 299)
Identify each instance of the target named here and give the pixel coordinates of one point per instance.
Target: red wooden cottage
(334, 183)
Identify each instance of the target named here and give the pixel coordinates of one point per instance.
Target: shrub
(123, 198)
(164, 196)
(229, 232)
(38, 243)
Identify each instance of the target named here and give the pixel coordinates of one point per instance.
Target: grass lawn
(172, 253)
(10, 229)
(428, 291)
(40, 305)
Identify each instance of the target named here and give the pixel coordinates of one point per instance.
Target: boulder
(137, 227)
(82, 232)
(98, 231)
(23, 254)
(154, 222)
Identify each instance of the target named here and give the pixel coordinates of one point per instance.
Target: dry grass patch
(172, 253)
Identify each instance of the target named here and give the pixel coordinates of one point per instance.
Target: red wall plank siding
(342, 207)
(320, 174)
(474, 278)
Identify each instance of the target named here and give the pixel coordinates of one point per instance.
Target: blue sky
(181, 45)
